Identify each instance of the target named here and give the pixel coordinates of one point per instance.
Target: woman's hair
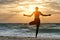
(36, 8)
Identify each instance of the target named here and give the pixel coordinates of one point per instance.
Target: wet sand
(25, 38)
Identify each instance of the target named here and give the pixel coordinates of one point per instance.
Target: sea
(46, 30)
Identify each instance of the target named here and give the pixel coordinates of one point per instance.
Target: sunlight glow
(32, 7)
(28, 9)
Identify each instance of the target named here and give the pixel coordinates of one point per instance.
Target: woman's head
(36, 8)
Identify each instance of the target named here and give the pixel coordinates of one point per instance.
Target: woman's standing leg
(37, 28)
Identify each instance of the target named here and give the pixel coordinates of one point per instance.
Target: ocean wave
(22, 25)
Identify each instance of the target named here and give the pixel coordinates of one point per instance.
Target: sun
(31, 8)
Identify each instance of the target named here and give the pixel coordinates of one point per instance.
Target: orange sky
(11, 11)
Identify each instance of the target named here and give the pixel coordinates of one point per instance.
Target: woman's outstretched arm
(45, 15)
(28, 15)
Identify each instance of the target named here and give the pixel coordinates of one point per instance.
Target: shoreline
(25, 38)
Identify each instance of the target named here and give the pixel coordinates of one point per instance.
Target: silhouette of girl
(36, 19)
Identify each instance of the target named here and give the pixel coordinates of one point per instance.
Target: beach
(24, 38)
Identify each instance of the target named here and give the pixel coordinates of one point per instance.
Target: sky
(11, 11)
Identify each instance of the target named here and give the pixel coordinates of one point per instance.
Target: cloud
(9, 6)
(8, 1)
(54, 5)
